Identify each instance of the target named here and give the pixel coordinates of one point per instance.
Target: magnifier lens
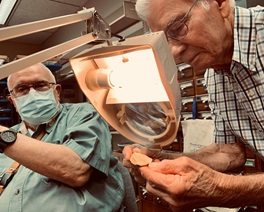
(148, 118)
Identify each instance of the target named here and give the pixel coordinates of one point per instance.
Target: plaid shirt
(236, 98)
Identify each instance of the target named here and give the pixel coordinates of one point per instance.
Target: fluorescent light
(6, 7)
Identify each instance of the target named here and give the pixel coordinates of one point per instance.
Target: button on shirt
(80, 128)
(236, 96)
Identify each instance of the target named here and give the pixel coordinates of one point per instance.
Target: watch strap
(3, 145)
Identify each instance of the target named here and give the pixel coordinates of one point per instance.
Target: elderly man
(69, 168)
(230, 40)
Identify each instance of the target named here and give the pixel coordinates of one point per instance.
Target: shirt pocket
(5, 163)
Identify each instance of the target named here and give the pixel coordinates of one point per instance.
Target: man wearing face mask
(71, 168)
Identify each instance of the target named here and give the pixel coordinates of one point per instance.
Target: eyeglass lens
(178, 29)
(23, 89)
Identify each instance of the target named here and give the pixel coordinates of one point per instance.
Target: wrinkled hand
(184, 183)
(133, 169)
(156, 155)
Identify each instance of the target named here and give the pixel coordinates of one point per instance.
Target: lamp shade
(133, 85)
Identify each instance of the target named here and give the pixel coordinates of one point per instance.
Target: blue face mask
(37, 107)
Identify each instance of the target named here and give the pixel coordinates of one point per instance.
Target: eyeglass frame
(183, 24)
(31, 85)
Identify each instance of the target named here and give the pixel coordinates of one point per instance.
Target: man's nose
(30, 88)
(176, 48)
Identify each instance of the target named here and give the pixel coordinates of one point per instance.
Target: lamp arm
(97, 29)
(12, 67)
(38, 26)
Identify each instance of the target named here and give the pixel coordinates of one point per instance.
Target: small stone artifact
(140, 159)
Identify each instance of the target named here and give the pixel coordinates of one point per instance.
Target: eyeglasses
(23, 89)
(178, 29)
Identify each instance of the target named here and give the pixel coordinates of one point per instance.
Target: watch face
(8, 136)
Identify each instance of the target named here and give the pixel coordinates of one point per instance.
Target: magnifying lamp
(133, 85)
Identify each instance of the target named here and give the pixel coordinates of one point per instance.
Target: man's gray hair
(142, 7)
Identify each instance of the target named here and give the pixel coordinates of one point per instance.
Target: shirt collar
(24, 130)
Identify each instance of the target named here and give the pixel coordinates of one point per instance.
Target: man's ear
(12, 102)
(224, 7)
(10, 99)
(58, 89)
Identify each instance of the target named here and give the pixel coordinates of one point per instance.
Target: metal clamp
(7, 177)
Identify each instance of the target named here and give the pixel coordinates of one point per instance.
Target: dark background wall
(249, 3)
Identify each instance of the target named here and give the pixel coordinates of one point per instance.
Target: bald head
(33, 73)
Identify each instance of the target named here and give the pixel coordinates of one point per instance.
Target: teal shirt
(80, 128)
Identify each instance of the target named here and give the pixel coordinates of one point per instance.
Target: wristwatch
(7, 137)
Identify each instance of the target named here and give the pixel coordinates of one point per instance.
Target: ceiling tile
(80, 3)
(31, 10)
